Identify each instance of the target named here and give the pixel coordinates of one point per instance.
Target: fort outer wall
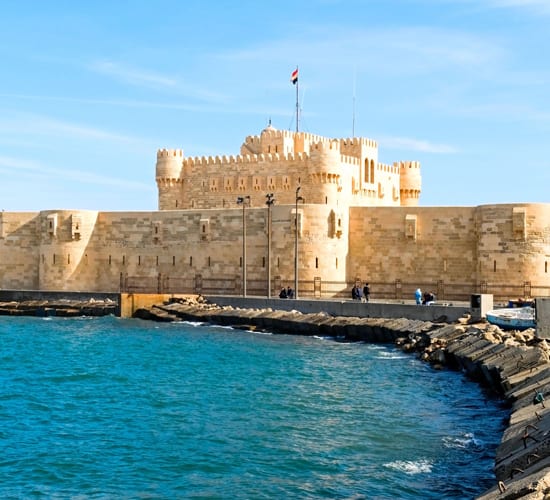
(97, 251)
(498, 247)
(504, 248)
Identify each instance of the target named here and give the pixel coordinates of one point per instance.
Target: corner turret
(169, 173)
(410, 182)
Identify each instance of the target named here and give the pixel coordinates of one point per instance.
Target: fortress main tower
(339, 172)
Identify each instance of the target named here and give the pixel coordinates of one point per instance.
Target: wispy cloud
(132, 76)
(138, 77)
(405, 143)
(395, 49)
(239, 108)
(33, 124)
(31, 167)
(538, 6)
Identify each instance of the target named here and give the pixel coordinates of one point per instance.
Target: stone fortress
(351, 218)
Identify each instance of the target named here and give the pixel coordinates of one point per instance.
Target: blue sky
(90, 90)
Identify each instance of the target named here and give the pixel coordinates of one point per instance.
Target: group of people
(363, 294)
(425, 299)
(358, 294)
(286, 293)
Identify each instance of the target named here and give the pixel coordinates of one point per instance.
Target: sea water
(113, 408)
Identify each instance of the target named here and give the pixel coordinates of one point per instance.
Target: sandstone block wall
(414, 245)
(19, 250)
(505, 248)
(496, 248)
(177, 245)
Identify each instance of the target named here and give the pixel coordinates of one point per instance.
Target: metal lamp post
(244, 200)
(269, 201)
(298, 198)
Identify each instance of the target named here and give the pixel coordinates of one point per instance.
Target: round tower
(169, 170)
(410, 182)
(325, 172)
(64, 249)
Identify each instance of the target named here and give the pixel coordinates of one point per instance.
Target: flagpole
(353, 111)
(297, 103)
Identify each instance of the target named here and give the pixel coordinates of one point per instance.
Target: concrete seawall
(438, 312)
(514, 364)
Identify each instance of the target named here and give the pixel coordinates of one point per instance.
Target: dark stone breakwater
(60, 307)
(516, 365)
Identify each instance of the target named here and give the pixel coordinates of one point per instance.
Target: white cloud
(131, 75)
(536, 7)
(143, 78)
(21, 166)
(33, 124)
(539, 6)
(419, 47)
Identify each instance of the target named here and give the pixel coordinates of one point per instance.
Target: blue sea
(115, 408)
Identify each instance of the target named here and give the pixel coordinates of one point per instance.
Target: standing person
(289, 293)
(366, 292)
(418, 296)
(354, 292)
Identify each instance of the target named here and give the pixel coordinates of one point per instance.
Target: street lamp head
(243, 200)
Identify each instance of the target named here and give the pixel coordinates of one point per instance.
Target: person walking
(366, 292)
(418, 297)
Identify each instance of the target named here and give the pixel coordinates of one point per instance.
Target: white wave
(220, 327)
(376, 347)
(391, 355)
(411, 467)
(191, 323)
(467, 440)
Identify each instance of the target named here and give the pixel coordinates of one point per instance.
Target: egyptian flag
(294, 77)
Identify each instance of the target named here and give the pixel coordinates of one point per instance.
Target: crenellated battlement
(359, 141)
(169, 153)
(390, 169)
(315, 141)
(325, 145)
(407, 165)
(273, 133)
(198, 161)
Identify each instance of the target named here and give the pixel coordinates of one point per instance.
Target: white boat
(513, 318)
